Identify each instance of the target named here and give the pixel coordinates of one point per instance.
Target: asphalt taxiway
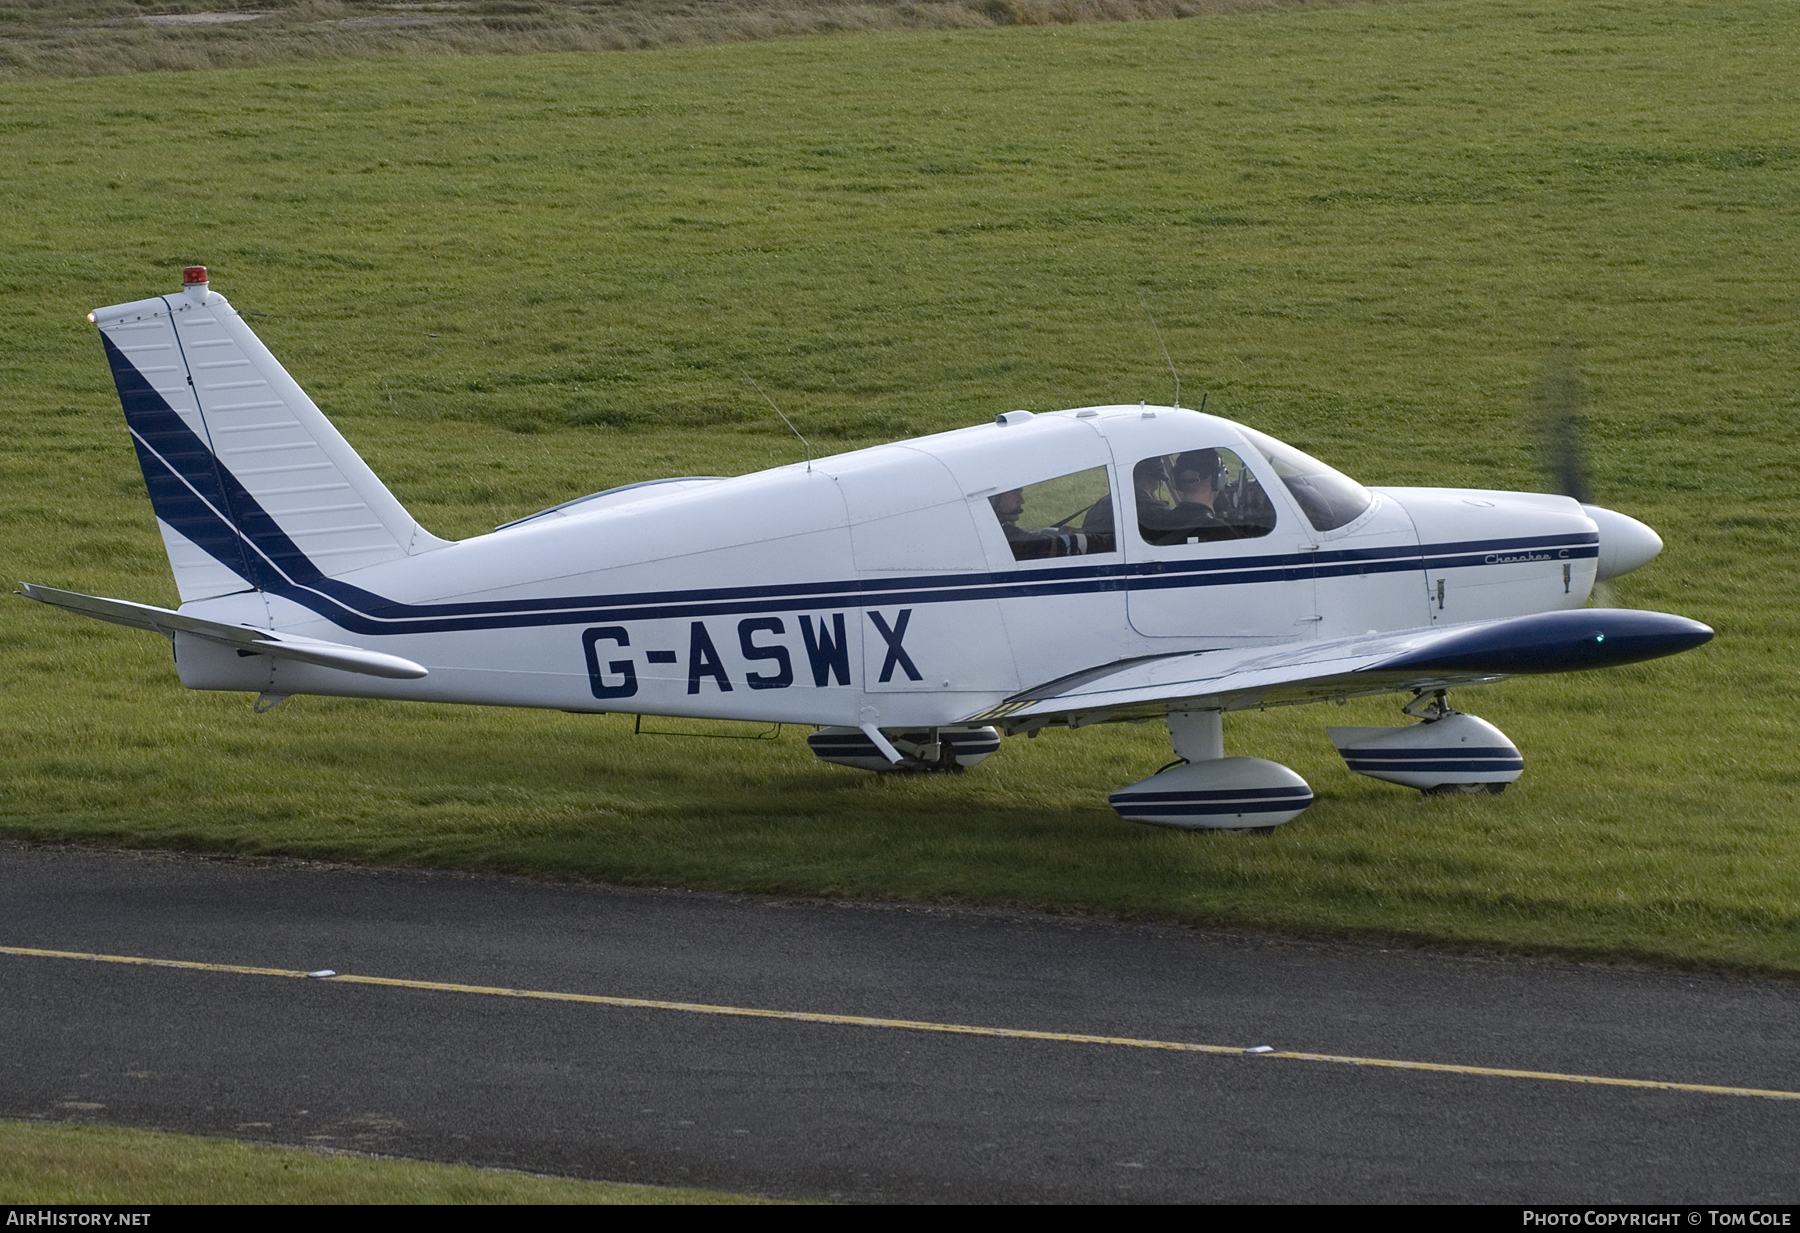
(870, 1052)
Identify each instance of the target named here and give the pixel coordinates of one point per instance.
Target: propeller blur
(914, 602)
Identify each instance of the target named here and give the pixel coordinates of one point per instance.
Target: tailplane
(252, 486)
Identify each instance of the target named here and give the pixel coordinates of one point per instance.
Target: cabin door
(1213, 553)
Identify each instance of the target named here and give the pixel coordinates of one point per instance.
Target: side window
(1068, 516)
(1199, 496)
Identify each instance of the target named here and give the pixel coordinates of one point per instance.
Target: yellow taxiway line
(909, 1025)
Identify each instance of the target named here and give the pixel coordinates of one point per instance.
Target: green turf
(74, 1164)
(516, 279)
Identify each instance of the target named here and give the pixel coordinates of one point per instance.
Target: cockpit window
(1068, 516)
(1199, 496)
(1330, 499)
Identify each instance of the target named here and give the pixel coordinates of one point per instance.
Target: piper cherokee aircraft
(913, 601)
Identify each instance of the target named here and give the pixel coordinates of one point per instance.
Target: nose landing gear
(1445, 753)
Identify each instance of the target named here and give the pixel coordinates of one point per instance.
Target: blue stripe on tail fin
(186, 486)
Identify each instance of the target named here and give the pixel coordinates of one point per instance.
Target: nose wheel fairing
(1445, 752)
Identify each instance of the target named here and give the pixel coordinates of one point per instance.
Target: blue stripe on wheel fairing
(199, 497)
(1133, 805)
(1442, 751)
(1399, 759)
(1197, 811)
(858, 743)
(1438, 764)
(1178, 795)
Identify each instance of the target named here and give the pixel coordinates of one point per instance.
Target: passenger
(1009, 507)
(1148, 477)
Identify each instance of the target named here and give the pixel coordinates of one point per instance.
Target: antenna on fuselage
(1165, 350)
(790, 423)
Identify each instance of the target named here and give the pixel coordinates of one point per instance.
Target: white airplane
(912, 601)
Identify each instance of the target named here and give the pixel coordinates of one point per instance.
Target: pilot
(1195, 480)
(1009, 507)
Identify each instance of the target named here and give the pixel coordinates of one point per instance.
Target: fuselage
(896, 586)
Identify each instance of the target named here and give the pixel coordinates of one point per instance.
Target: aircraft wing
(246, 638)
(1245, 678)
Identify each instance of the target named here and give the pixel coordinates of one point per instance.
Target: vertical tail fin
(251, 484)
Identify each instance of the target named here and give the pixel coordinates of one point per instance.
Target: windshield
(1328, 498)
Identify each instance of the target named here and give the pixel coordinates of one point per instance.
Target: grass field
(111, 1164)
(514, 279)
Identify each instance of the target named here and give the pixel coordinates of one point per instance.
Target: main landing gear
(922, 751)
(1207, 790)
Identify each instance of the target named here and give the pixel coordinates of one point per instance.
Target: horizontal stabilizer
(1435, 658)
(243, 637)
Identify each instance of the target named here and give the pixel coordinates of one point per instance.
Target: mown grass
(516, 279)
(42, 1163)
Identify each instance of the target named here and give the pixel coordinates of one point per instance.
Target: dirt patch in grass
(82, 38)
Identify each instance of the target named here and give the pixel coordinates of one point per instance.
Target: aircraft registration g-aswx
(913, 601)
